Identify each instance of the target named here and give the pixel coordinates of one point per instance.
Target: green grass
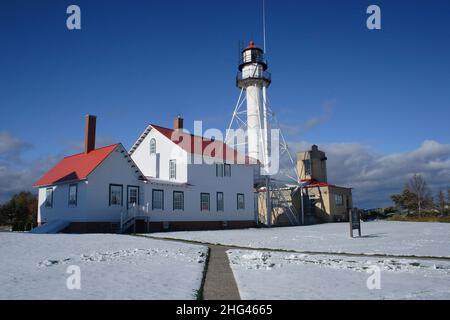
(419, 219)
(199, 292)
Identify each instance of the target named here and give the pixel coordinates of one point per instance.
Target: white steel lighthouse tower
(254, 79)
(259, 122)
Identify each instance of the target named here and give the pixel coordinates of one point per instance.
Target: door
(132, 196)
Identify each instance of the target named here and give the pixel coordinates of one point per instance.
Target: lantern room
(252, 54)
(252, 68)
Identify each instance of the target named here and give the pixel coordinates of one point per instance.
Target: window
(178, 200)
(204, 201)
(240, 201)
(172, 169)
(49, 198)
(223, 170)
(153, 146)
(275, 203)
(219, 201)
(307, 166)
(339, 199)
(73, 192)
(132, 196)
(157, 199)
(115, 194)
(227, 170)
(219, 170)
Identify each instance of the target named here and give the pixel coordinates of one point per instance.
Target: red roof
(251, 45)
(204, 146)
(76, 167)
(312, 183)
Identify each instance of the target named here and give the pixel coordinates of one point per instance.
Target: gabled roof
(193, 144)
(75, 167)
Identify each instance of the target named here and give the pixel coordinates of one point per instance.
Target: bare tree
(418, 186)
(441, 202)
(447, 204)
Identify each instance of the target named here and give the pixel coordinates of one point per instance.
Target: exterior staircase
(129, 217)
(287, 214)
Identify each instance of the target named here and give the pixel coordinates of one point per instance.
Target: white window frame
(219, 170)
(225, 172)
(239, 206)
(178, 205)
(153, 199)
(74, 202)
(172, 169)
(129, 190)
(208, 202)
(49, 203)
(152, 146)
(220, 208)
(339, 200)
(111, 188)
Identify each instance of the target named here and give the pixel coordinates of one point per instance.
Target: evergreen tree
(20, 211)
(404, 200)
(415, 197)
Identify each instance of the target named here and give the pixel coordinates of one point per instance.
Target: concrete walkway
(219, 282)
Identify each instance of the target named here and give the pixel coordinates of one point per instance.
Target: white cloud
(375, 176)
(11, 147)
(327, 113)
(17, 174)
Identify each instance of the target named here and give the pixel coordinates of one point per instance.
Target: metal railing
(128, 217)
(252, 59)
(265, 75)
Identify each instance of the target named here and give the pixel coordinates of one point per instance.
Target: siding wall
(167, 151)
(93, 194)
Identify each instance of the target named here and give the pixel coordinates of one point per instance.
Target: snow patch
(268, 260)
(34, 266)
(379, 237)
(311, 276)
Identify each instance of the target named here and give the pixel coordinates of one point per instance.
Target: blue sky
(137, 62)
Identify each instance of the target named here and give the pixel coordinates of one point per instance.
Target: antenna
(264, 23)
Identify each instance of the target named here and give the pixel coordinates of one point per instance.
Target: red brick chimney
(178, 123)
(89, 133)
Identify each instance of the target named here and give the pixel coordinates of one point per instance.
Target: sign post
(355, 221)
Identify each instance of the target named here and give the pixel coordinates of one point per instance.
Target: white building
(168, 180)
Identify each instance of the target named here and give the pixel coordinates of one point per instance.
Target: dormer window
(153, 146)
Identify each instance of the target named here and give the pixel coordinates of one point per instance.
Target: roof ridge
(191, 134)
(80, 153)
(77, 169)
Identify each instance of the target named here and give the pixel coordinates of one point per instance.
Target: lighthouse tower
(253, 78)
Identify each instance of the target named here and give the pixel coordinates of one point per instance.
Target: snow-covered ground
(383, 237)
(279, 275)
(34, 266)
